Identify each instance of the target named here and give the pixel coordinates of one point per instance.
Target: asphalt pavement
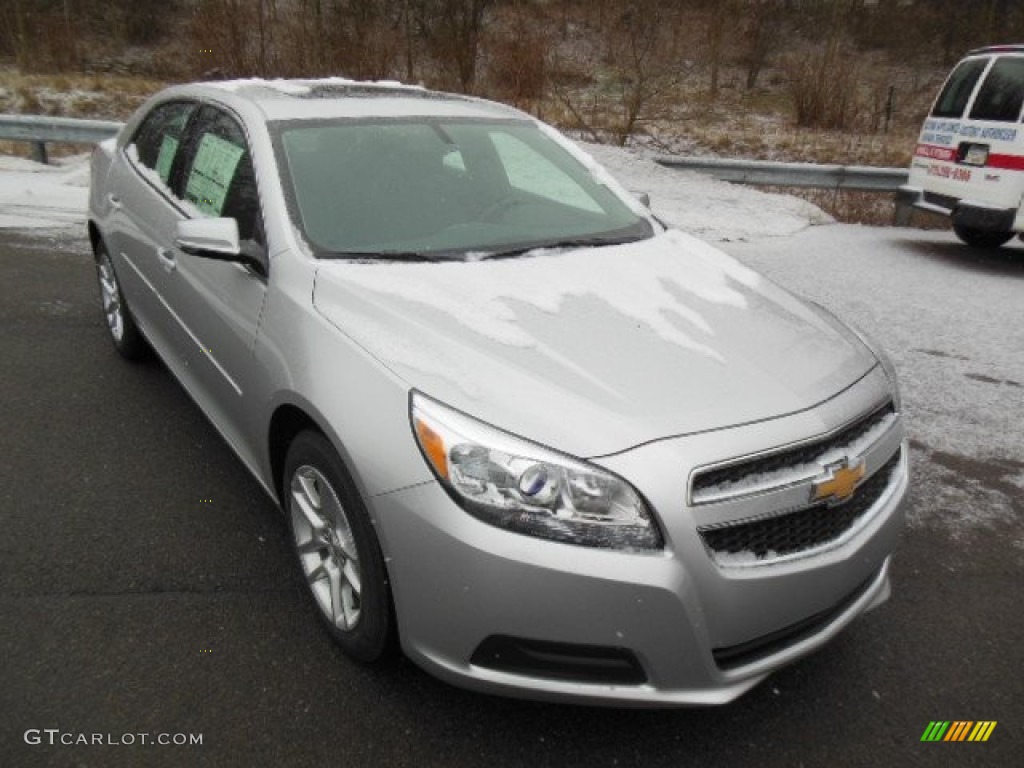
(147, 587)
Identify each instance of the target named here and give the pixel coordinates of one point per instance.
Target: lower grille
(798, 530)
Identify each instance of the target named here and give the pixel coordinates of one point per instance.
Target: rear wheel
(337, 549)
(980, 238)
(124, 333)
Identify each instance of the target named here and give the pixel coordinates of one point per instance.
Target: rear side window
(1002, 94)
(957, 91)
(159, 137)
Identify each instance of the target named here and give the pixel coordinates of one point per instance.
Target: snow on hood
(593, 351)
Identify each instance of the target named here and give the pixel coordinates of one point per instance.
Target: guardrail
(40, 131)
(768, 173)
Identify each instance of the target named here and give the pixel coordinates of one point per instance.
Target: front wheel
(981, 238)
(337, 549)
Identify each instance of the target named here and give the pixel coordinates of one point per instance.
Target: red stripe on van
(1007, 162)
(936, 153)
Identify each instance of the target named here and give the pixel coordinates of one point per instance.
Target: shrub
(824, 88)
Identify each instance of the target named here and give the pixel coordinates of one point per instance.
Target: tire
(124, 333)
(980, 238)
(337, 550)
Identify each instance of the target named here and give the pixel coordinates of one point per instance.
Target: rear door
(145, 212)
(990, 141)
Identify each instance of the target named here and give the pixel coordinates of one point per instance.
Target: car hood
(593, 351)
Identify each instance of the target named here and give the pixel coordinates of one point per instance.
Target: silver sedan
(521, 429)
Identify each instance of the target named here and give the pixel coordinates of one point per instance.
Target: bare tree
(762, 25)
(452, 30)
(640, 53)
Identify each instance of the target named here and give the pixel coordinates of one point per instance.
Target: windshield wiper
(386, 256)
(574, 242)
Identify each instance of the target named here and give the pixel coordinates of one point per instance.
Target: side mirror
(643, 197)
(212, 238)
(218, 239)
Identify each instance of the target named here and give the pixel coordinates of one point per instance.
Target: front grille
(740, 473)
(799, 530)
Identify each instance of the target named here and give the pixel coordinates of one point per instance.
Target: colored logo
(958, 730)
(840, 482)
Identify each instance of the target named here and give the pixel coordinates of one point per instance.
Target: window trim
(132, 141)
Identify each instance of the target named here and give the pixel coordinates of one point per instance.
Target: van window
(1002, 93)
(957, 91)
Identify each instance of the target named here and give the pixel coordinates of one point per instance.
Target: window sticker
(212, 172)
(168, 149)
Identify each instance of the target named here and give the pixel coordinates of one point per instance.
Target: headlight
(517, 485)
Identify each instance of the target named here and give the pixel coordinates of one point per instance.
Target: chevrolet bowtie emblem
(840, 481)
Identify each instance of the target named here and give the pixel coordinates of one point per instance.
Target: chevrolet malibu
(546, 445)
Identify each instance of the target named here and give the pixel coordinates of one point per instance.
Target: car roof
(339, 97)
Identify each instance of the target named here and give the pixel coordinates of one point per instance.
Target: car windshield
(443, 188)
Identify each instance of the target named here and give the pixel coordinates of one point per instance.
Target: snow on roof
(340, 97)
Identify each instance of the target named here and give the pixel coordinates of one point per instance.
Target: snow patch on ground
(34, 196)
(705, 207)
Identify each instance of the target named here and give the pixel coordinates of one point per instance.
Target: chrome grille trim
(840, 523)
(787, 466)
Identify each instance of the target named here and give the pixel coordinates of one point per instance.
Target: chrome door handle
(114, 200)
(166, 258)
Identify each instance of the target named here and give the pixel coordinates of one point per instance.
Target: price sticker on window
(212, 172)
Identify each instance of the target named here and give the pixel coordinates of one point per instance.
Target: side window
(158, 138)
(957, 91)
(1002, 94)
(530, 171)
(218, 178)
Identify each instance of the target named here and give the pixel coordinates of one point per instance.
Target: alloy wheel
(326, 547)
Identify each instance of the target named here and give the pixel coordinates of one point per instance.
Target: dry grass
(110, 97)
(874, 209)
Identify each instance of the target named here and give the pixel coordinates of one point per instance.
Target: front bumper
(701, 633)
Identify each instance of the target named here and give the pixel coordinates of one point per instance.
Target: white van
(969, 161)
